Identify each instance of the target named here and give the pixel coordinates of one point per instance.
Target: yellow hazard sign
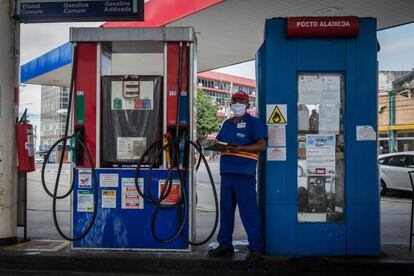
(276, 114)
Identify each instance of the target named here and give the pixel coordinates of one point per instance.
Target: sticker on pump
(174, 194)
(85, 201)
(109, 199)
(108, 180)
(130, 197)
(84, 178)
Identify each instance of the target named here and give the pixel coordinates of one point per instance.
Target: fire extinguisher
(25, 145)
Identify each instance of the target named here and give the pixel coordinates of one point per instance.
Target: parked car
(393, 171)
(39, 160)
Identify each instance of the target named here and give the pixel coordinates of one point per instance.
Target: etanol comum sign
(42, 11)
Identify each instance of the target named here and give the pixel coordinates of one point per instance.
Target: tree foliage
(207, 122)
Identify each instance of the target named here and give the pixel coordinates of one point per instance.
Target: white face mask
(238, 109)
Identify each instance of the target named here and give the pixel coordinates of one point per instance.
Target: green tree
(207, 122)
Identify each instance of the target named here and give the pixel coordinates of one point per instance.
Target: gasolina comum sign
(42, 11)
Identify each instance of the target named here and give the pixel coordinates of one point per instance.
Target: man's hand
(255, 148)
(234, 149)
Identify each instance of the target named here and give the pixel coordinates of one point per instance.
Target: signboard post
(44, 11)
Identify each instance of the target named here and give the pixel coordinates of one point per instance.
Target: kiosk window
(320, 179)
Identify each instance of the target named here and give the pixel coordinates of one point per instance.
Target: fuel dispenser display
(131, 117)
(133, 151)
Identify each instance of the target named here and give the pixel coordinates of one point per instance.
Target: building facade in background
(396, 111)
(54, 103)
(220, 87)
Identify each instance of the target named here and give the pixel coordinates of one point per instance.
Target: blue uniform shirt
(246, 132)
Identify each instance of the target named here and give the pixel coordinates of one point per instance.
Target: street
(395, 208)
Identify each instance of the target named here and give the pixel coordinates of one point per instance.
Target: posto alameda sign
(346, 26)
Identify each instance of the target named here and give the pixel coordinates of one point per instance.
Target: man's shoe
(253, 257)
(221, 251)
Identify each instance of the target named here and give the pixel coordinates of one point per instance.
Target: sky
(397, 53)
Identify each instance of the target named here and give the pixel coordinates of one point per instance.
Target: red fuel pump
(25, 145)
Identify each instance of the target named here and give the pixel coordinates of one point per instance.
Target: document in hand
(218, 146)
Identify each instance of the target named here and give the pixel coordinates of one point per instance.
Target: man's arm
(254, 148)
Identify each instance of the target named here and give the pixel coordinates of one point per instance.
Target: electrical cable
(74, 137)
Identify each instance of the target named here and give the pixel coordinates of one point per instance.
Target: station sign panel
(335, 26)
(45, 11)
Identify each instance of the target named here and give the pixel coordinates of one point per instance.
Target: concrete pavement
(395, 258)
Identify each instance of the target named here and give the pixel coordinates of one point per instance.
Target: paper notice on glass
(331, 90)
(130, 148)
(146, 95)
(85, 201)
(277, 136)
(366, 133)
(320, 154)
(313, 217)
(130, 197)
(276, 154)
(84, 178)
(310, 89)
(329, 119)
(108, 180)
(143, 102)
(108, 198)
(118, 102)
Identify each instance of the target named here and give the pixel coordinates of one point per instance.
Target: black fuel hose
(64, 139)
(182, 202)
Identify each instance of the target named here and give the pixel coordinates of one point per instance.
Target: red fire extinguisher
(25, 145)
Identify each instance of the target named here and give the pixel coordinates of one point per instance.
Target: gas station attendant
(246, 136)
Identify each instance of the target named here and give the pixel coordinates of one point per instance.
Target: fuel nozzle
(75, 146)
(167, 138)
(181, 149)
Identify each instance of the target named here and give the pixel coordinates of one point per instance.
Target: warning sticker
(85, 201)
(84, 178)
(108, 198)
(276, 114)
(174, 194)
(130, 197)
(108, 180)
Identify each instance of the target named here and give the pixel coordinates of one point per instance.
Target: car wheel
(383, 188)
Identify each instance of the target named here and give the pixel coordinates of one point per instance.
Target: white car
(393, 171)
(39, 160)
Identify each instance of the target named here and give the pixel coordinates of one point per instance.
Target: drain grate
(39, 245)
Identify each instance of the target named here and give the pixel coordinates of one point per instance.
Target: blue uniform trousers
(239, 189)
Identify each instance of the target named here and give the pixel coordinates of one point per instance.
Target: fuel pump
(132, 148)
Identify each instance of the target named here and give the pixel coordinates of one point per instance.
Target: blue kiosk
(317, 81)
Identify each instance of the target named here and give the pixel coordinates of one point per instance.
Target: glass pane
(320, 147)
(381, 161)
(398, 161)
